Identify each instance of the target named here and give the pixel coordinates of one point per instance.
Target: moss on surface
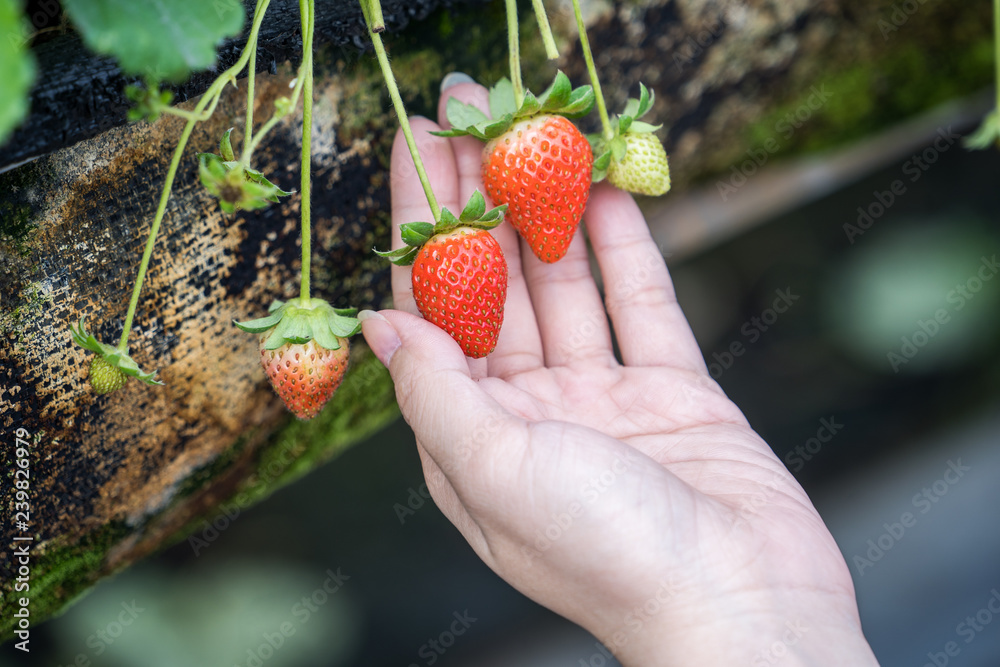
(868, 94)
(61, 575)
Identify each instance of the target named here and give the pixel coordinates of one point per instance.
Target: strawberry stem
(370, 9)
(204, 109)
(551, 52)
(248, 131)
(307, 9)
(609, 133)
(996, 47)
(513, 46)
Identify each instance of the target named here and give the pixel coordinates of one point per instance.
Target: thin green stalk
(206, 105)
(609, 133)
(404, 123)
(551, 52)
(306, 7)
(996, 47)
(248, 131)
(513, 47)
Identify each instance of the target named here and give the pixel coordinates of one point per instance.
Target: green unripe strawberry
(104, 377)
(644, 169)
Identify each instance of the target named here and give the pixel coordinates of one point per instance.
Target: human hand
(632, 498)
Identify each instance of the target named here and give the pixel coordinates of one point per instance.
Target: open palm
(629, 496)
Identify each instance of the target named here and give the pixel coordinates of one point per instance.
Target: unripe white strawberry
(644, 169)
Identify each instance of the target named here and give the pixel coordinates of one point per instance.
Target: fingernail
(380, 335)
(371, 315)
(453, 79)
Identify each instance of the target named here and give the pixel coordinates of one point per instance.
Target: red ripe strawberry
(304, 375)
(541, 168)
(460, 284)
(459, 273)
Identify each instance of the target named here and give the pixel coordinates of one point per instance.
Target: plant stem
(996, 47)
(551, 52)
(307, 9)
(248, 131)
(513, 46)
(397, 103)
(202, 110)
(609, 133)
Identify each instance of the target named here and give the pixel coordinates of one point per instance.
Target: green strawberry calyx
(614, 148)
(301, 320)
(416, 234)
(115, 357)
(560, 99)
(236, 185)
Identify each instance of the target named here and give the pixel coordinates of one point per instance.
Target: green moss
(364, 403)
(60, 576)
(864, 97)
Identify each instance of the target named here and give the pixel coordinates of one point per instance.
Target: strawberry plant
(627, 153)
(535, 161)
(459, 272)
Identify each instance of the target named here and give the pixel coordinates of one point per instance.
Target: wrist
(758, 630)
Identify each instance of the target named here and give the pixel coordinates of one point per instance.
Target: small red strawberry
(535, 160)
(459, 274)
(460, 284)
(304, 375)
(541, 168)
(304, 351)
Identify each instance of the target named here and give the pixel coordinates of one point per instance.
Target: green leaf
(502, 98)
(161, 39)
(261, 324)
(17, 69)
(581, 101)
(558, 94)
(987, 135)
(226, 147)
(448, 221)
(475, 209)
(639, 127)
(462, 116)
(618, 147)
(416, 233)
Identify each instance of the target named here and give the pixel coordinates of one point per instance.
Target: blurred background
(847, 302)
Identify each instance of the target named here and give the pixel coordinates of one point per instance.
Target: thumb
(444, 406)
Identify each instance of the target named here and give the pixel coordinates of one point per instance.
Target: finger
(464, 430)
(649, 324)
(568, 306)
(519, 347)
(409, 202)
